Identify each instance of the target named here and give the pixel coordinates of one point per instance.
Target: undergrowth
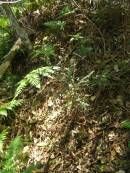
(11, 157)
(92, 73)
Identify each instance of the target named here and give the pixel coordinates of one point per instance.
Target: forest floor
(74, 123)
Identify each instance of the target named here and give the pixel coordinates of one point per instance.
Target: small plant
(4, 22)
(10, 106)
(66, 11)
(74, 94)
(76, 37)
(33, 78)
(100, 80)
(11, 159)
(46, 50)
(55, 25)
(84, 50)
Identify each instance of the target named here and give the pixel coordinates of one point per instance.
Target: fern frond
(10, 161)
(21, 86)
(13, 154)
(9, 106)
(2, 139)
(14, 148)
(46, 50)
(33, 78)
(13, 104)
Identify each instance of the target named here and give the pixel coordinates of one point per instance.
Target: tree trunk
(19, 30)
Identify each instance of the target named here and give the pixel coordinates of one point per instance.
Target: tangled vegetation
(64, 86)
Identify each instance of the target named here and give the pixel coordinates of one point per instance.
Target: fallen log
(9, 57)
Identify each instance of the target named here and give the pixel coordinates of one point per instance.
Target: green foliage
(5, 42)
(46, 50)
(126, 124)
(73, 93)
(101, 80)
(66, 11)
(32, 5)
(5, 36)
(55, 25)
(11, 159)
(9, 107)
(76, 37)
(4, 22)
(30, 169)
(2, 139)
(12, 155)
(84, 50)
(33, 78)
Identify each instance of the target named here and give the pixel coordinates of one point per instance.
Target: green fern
(2, 139)
(12, 155)
(66, 11)
(46, 50)
(10, 106)
(11, 158)
(33, 78)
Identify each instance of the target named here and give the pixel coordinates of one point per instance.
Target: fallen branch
(9, 57)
